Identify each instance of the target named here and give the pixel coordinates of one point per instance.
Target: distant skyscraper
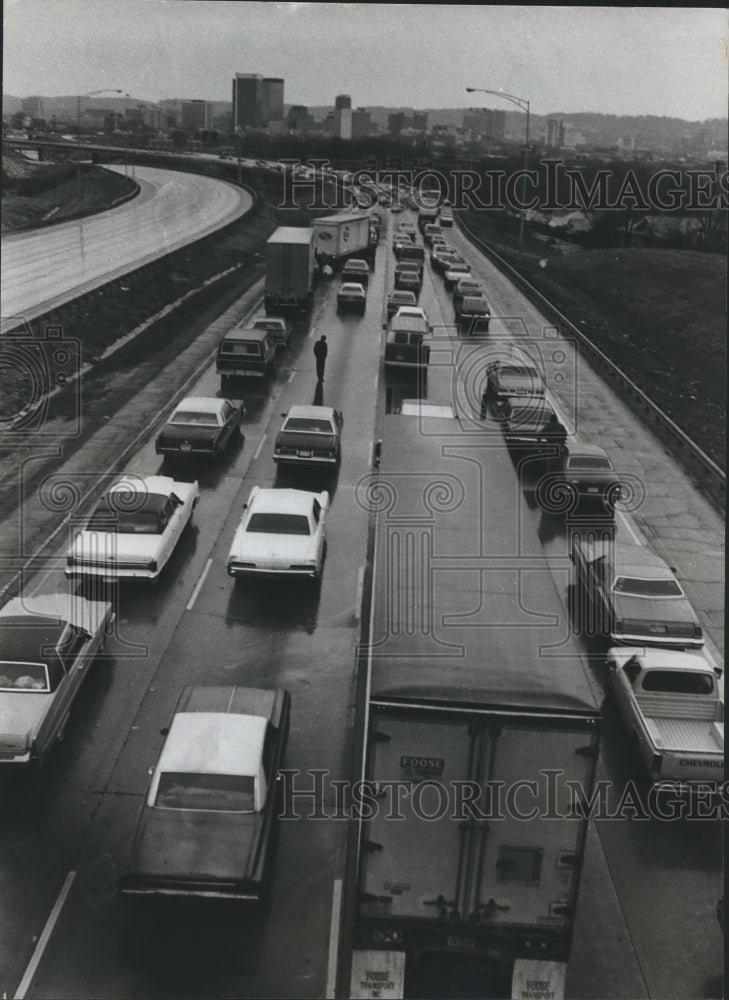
(247, 100)
(361, 123)
(555, 133)
(33, 106)
(420, 121)
(342, 101)
(196, 114)
(272, 99)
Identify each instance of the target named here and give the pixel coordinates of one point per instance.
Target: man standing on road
(320, 353)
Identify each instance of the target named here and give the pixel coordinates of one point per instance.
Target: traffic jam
(416, 583)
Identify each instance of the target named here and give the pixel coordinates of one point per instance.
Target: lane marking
(45, 937)
(198, 586)
(260, 445)
(637, 538)
(334, 940)
(291, 376)
(360, 594)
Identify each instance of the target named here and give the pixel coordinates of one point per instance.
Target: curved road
(42, 269)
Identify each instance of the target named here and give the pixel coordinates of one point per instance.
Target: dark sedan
(583, 473)
(206, 827)
(310, 435)
(201, 427)
(397, 299)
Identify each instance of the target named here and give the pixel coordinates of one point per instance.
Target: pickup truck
(673, 708)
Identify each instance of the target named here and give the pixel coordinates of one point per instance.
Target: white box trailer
(338, 237)
(478, 737)
(290, 268)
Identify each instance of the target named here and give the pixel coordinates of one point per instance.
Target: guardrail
(706, 473)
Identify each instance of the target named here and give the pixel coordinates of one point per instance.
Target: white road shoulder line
(45, 937)
(291, 376)
(637, 538)
(198, 586)
(260, 446)
(360, 594)
(334, 940)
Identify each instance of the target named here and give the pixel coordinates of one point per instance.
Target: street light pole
(522, 103)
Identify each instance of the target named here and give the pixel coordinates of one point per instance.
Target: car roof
(201, 404)
(584, 450)
(283, 501)
(311, 411)
(350, 285)
(214, 743)
(402, 295)
(246, 333)
(474, 302)
(411, 311)
(652, 658)
(361, 265)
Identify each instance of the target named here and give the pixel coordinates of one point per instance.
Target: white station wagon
(281, 533)
(134, 529)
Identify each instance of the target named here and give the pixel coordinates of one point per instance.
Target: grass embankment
(660, 315)
(37, 194)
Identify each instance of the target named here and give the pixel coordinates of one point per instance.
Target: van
(245, 351)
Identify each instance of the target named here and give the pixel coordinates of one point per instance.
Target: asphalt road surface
(646, 924)
(41, 269)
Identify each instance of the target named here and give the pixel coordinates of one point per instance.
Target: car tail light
(656, 764)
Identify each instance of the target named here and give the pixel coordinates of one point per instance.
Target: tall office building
(196, 114)
(555, 133)
(272, 100)
(247, 100)
(342, 101)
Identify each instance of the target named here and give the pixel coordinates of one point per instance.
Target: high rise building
(33, 106)
(555, 134)
(420, 121)
(272, 100)
(342, 101)
(196, 115)
(247, 100)
(361, 123)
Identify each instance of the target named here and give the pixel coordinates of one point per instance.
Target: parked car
(281, 533)
(133, 529)
(399, 298)
(278, 327)
(636, 598)
(512, 377)
(473, 316)
(454, 272)
(206, 830)
(310, 435)
(356, 270)
(583, 472)
(351, 295)
(47, 645)
(407, 335)
(201, 427)
(245, 351)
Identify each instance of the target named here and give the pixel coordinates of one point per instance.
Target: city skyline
(623, 61)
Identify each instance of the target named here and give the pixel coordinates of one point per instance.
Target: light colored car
(281, 533)
(510, 377)
(310, 435)
(207, 827)
(278, 328)
(455, 271)
(47, 644)
(636, 598)
(412, 311)
(399, 298)
(351, 295)
(133, 530)
(201, 427)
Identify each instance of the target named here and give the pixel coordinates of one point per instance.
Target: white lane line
(260, 445)
(45, 937)
(637, 538)
(198, 586)
(334, 940)
(291, 377)
(360, 594)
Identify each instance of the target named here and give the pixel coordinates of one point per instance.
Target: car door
(66, 673)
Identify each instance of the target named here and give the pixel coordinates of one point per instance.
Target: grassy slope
(660, 315)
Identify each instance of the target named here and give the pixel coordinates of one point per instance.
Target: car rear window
(308, 425)
(211, 792)
(240, 347)
(678, 682)
(196, 419)
(24, 677)
(588, 462)
(279, 524)
(647, 588)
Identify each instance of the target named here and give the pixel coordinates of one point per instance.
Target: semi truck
(480, 739)
(290, 269)
(338, 237)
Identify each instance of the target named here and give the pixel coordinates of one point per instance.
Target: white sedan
(281, 533)
(46, 646)
(134, 529)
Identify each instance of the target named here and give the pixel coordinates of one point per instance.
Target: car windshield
(196, 419)
(24, 677)
(279, 524)
(308, 425)
(241, 347)
(678, 682)
(646, 588)
(588, 462)
(212, 792)
(133, 522)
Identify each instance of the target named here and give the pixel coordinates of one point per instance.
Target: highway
(646, 924)
(44, 268)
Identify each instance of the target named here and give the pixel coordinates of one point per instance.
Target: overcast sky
(625, 61)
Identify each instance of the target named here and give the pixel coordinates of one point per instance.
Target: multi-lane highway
(43, 269)
(646, 923)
